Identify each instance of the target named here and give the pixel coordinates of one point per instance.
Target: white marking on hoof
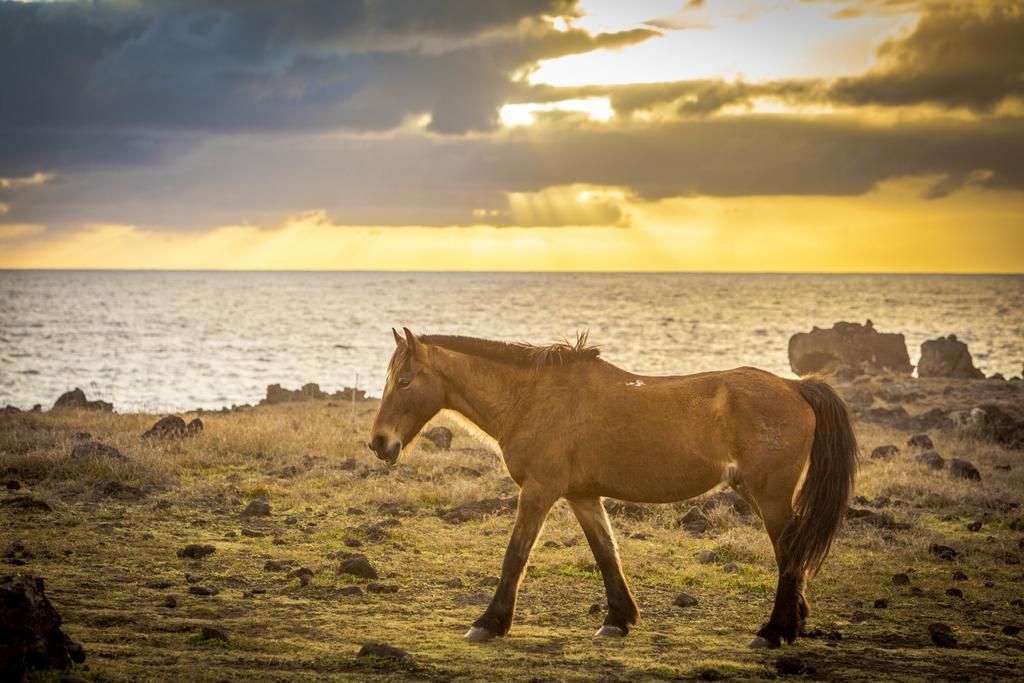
(478, 635)
(609, 631)
(759, 643)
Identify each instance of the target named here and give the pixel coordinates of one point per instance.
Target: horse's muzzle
(388, 452)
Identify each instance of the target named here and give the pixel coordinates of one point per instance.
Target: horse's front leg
(534, 504)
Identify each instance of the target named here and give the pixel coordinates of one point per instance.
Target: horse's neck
(486, 392)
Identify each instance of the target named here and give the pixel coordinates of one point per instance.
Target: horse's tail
(821, 504)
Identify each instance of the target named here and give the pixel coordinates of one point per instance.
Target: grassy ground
(101, 555)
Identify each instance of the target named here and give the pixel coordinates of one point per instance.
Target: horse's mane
(518, 353)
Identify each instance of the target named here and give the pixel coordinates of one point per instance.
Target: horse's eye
(403, 382)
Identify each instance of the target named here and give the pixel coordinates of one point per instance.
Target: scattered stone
(16, 553)
(159, 584)
(25, 503)
(962, 469)
(624, 508)
(942, 635)
(886, 452)
(881, 603)
(922, 441)
(879, 520)
(684, 600)
(202, 590)
(291, 519)
(707, 557)
(95, 449)
(30, 633)
(791, 665)
(275, 566)
(1011, 630)
(477, 510)
(115, 489)
(711, 675)
(12, 485)
(901, 579)
(595, 608)
(943, 551)
(210, 633)
(931, 460)
(253, 533)
(730, 568)
(304, 575)
(729, 499)
(959, 576)
(848, 349)
(454, 582)
(257, 508)
(381, 588)
(173, 427)
(1002, 467)
(695, 521)
(954, 592)
(350, 590)
(441, 437)
(75, 399)
(995, 424)
(359, 566)
(859, 616)
(383, 651)
(170, 602)
(196, 551)
(947, 357)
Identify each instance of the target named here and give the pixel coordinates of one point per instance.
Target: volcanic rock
(25, 503)
(210, 633)
(932, 460)
(942, 635)
(728, 498)
(309, 392)
(384, 651)
(256, 508)
(962, 469)
(684, 600)
(359, 566)
(885, 452)
(75, 399)
(848, 345)
(173, 427)
(441, 437)
(95, 449)
(947, 357)
(195, 551)
(30, 634)
(478, 510)
(922, 441)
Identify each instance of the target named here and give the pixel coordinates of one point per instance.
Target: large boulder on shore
(309, 392)
(848, 348)
(76, 399)
(947, 357)
(30, 635)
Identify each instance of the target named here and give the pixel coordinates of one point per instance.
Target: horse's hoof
(609, 631)
(759, 643)
(478, 635)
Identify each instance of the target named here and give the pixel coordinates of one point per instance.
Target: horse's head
(413, 394)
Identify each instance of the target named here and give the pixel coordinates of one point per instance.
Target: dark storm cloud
(412, 179)
(957, 56)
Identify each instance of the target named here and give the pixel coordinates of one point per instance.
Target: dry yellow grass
(328, 493)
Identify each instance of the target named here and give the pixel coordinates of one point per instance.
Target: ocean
(173, 341)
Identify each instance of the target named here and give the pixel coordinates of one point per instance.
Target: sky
(686, 135)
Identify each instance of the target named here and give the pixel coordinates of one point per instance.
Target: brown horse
(573, 426)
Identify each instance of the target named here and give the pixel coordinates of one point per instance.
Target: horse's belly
(652, 477)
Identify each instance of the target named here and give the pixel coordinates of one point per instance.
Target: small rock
(350, 590)
(1011, 630)
(76, 399)
(12, 484)
(886, 452)
(790, 665)
(253, 533)
(275, 566)
(943, 551)
(381, 588)
(304, 575)
(730, 568)
(383, 651)
(115, 489)
(710, 675)
(962, 469)
(959, 576)
(359, 566)
(160, 584)
(25, 503)
(454, 582)
(901, 579)
(695, 521)
(257, 508)
(932, 460)
(942, 635)
(441, 437)
(168, 427)
(922, 441)
(881, 603)
(95, 449)
(595, 608)
(707, 557)
(210, 633)
(202, 590)
(684, 600)
(170, 601)
(196, 551)
(291, 519)
(954, 592)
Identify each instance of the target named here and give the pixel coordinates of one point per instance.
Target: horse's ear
(412, 341)
(398, 338)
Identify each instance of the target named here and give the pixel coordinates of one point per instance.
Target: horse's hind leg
(622, 609)
(791, 609)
